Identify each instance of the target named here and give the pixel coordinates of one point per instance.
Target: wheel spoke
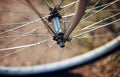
(34, 21)
(25, 46)
(12, 53)
(97, 28)
(100, 21)
(17, 38)
(99, 10)
(96, 36)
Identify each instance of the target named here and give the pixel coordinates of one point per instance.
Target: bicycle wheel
(26, 46)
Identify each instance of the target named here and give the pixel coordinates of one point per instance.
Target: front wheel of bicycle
(26, 44)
